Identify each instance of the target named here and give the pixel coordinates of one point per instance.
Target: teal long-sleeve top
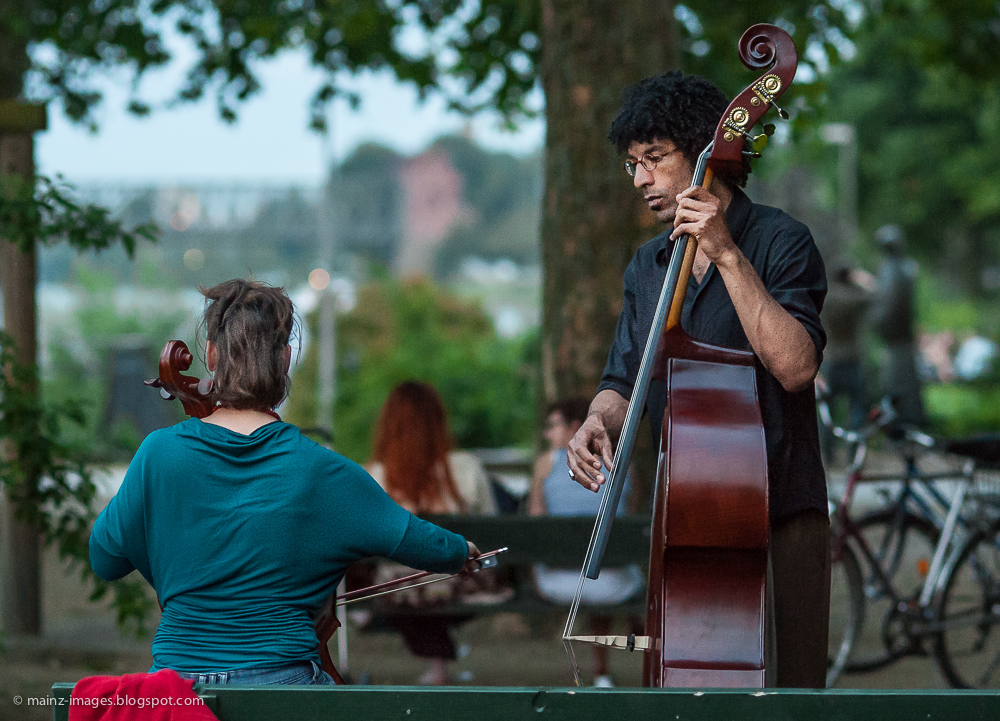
(244, 537)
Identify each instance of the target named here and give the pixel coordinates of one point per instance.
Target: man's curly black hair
(684, 109)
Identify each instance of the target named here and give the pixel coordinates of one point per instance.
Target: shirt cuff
(622, 389)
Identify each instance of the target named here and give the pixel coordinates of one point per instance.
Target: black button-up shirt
(783, 253)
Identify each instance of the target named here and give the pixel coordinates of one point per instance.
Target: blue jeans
(304, 673)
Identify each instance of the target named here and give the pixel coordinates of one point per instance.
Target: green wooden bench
(271, 703)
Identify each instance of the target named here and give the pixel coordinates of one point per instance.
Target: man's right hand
(586, 450)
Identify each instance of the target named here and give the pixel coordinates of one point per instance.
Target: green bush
(960, 409)
(401, 330)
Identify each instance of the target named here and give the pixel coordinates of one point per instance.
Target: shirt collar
(736, 219)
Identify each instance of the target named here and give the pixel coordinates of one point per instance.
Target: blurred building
(432, 206)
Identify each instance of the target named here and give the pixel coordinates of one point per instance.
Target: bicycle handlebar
(882, 415)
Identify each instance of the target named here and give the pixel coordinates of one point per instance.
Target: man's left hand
(700, 215)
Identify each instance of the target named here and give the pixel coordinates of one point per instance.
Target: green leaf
(45, 212)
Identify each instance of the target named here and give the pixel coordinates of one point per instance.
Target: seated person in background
(414, 462)
(242, 525)
(553, 492)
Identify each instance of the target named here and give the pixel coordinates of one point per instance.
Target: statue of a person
(892, 317)
(849, 295)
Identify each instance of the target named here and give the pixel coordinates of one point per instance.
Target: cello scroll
(193, 393)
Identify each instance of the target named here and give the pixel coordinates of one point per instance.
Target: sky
(270, 142)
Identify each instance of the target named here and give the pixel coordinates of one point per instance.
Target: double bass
(195, 395)
(708, 621)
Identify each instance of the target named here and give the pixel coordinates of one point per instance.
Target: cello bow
(327, 622)
(762, 47)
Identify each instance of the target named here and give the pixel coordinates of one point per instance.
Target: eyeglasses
(648, 161)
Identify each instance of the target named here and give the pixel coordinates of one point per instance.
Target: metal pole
(849, 190)
(327, 386)
(844, 136)
(326, 382)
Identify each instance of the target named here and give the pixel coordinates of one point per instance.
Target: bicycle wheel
(847, 608)
(902, 546)
(967, 648)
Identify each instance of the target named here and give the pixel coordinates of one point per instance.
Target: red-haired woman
(242, 525)
(414, 462)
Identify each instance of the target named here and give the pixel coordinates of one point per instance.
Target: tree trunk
(20, 603)
(593, 219)
(20, 596)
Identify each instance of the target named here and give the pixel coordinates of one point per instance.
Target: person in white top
(553, 492)
(414, 462)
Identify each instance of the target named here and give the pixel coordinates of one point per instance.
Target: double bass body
(707, 605)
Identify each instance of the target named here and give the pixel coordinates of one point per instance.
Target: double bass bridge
(626, 643)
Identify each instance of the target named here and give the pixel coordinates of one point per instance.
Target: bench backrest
(552, 540)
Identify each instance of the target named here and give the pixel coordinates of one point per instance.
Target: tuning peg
(759, 142)
(781, 113)
(751, 154)
(768, 129)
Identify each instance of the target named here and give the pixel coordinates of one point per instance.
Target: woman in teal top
(242, 525)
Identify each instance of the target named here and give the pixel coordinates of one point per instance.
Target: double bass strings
(630, 429)
(609, 502)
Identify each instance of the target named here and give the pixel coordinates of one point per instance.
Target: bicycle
(967, 646)
(880, 565)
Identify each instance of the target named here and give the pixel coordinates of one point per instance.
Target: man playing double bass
(758, 283)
